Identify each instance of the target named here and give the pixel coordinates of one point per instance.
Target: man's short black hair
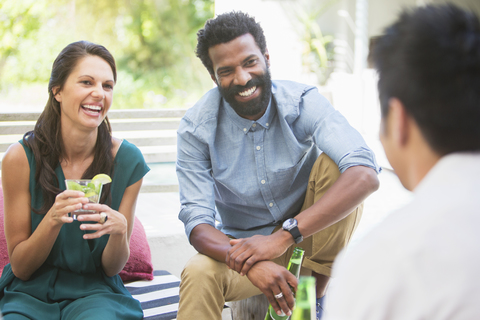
(224, 28)
(430, 60)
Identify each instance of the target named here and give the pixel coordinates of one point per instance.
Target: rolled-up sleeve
(333, 135)
(195, 178)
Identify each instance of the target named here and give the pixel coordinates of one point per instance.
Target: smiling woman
(87, 94)
(50, 253)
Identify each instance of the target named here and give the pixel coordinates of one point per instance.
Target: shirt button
(270, 204)
(266, 124)
(244, 129)
(263, 181)
(258, 148)
(254, 125)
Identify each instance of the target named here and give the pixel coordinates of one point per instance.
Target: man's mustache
(252, 83)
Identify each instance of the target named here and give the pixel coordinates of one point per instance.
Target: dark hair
(46, 141)
(224, 28)
(430, 60)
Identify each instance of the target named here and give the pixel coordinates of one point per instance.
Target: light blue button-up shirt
(252, 175)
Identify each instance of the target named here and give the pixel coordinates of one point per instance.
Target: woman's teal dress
(71, 283)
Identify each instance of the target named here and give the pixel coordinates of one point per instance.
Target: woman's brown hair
(46, 141)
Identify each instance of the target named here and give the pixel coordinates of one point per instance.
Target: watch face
(289, 224)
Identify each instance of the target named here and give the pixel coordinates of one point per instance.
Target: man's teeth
(93, 108)
(248, 92)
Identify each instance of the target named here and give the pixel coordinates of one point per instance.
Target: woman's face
(87, 94)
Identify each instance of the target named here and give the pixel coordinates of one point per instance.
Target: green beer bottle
(294, 266)
(305, 300)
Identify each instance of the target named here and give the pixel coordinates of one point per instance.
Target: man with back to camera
(422, 262)
(250, 155)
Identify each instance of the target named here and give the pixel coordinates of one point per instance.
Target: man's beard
(252, 107)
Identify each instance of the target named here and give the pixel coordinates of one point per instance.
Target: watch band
(290, 225)
(297, 236)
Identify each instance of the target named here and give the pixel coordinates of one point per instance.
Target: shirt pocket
(283, 178)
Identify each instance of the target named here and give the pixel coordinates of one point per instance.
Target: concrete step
(145, 124)
(143, 138)
(20, 127)
(112, 114)
(139, 138)
(153, 131)
(161, 178)
(154, 154)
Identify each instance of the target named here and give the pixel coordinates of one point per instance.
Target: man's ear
(400, 121)
(267, 57)
(56, 94)
(213, 78)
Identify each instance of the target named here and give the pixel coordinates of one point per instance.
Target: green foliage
(318, 48)
(153, 42)
(21, 54)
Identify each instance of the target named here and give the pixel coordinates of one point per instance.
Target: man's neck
(421, 158)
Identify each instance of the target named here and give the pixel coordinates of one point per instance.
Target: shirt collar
(452, 168)
(246, 125)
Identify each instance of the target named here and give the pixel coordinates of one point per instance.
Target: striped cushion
(158, 297)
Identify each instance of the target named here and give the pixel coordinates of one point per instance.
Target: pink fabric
(139, 265)
(3, 243)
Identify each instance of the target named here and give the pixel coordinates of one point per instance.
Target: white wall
(354, 96)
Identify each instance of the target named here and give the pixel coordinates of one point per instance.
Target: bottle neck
(295, 263)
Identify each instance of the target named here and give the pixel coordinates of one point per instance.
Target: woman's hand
(66, 202)
(115, 222)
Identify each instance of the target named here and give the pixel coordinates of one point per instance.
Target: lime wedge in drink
(92, 197)
(72, 185)
(99, 180)
(89, 187)
(90, 190)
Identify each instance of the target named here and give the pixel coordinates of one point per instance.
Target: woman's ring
(103, 217)
(278, 296)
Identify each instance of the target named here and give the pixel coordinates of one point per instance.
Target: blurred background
(152, 41)
(320, 42)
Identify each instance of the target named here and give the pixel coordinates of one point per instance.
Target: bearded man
(263, 166)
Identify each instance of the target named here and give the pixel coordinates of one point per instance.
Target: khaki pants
(207, 284)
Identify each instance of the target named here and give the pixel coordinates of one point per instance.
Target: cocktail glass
(92, 192)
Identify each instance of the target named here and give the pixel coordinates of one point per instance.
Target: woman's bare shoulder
(15, 167)
(15, 156)
(116, 145)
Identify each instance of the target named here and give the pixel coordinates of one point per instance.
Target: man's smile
(248, 92)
